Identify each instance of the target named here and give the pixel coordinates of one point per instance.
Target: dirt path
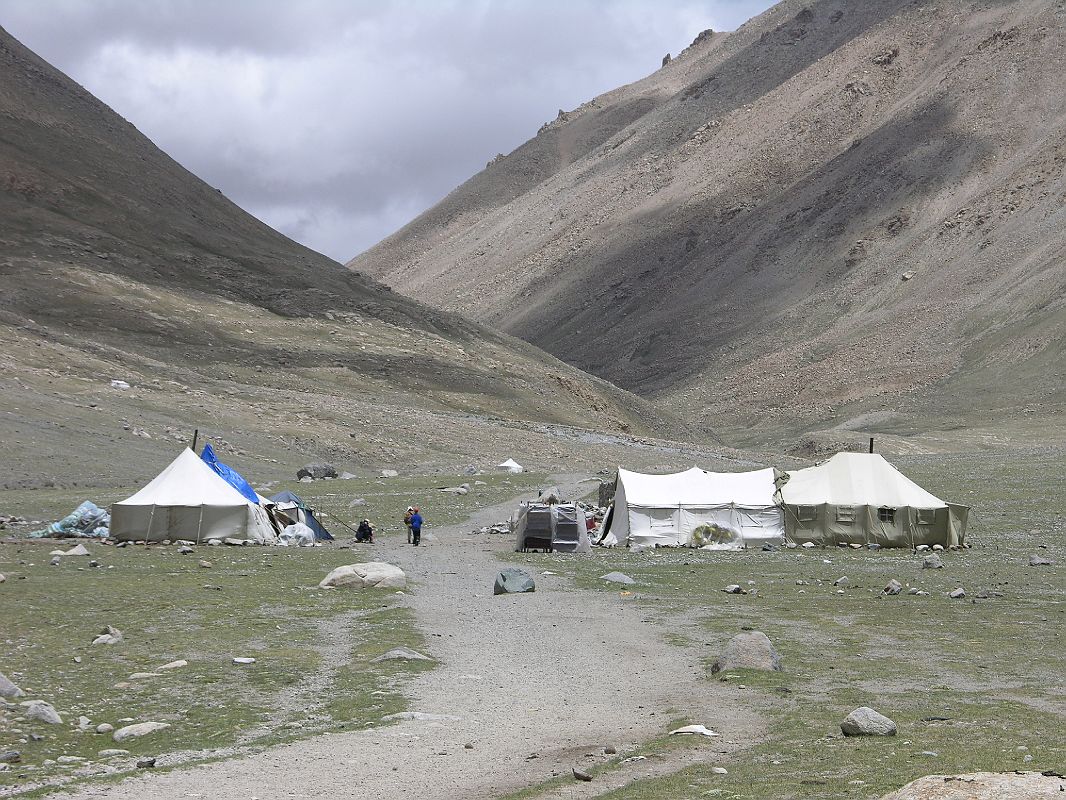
(535, 682)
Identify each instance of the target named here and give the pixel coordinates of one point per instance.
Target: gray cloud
(335, 121)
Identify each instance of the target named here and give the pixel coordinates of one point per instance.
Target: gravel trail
(537, 683)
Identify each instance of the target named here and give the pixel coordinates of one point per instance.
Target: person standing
(416, 527)
(407, 521)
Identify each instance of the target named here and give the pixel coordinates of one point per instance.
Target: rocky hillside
(842, 215)
(117, 263)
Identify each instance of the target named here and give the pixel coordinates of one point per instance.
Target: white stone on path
(138, 730)
(371, 575)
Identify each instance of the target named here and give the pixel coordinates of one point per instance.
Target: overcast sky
(337, 121)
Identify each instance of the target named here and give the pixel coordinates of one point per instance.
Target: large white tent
(188, 500)
(859, 498)
(733, 509)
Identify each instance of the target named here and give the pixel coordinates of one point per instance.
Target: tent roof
(286, 497)
(697, 487)
(509, 463)
(187, 481)
(856, 479)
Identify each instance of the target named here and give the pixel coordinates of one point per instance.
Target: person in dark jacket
(365, 533)
(416, 527)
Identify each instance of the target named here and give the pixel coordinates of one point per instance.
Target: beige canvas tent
(188, 500)
(859, 498)
(725, 510)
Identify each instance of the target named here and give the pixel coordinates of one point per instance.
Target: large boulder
(316, 472)
(932, 562)
(864, 721)
(617, 577)
(513, 581)
(42, 712)
(9, 690)
(983, 786)
(138, 730)
(371, 575)
(749, 650)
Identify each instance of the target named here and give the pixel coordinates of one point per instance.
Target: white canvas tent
(726, 509)
(510, 465)
(188, 500)
(859, 498)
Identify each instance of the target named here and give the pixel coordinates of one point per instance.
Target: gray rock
(749, 650)
(735, 588)
(1039, 561)
(864, 721)
(2, 578)
(205, 565)
(581, 775)
(842, 581)
(10, 757)
(914, 590)
(957, 594)
(893, 587)
(112, 752)
(138, 730)
(55, 562)
(809, 545)
(108, 635)
(932, 562)
(369, 575)
(938, 548)
(617, 577)
(316, 472)
(105, 727)
(610, 750)
(42, 712)
(402, 654)
(185, 550)
(346, 476)
(84, 723)
(9, 690)
(873, 546)
(514, 581)
(389, 473)
(69, 760)
(146, 763)
(921, 548)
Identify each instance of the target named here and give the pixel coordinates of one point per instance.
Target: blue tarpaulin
(228, 474)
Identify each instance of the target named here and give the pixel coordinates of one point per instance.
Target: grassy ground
(313, 648)
(992, 667)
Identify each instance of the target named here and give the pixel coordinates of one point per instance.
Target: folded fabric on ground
(87, 521)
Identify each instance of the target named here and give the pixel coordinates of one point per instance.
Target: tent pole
(151, 517)
(196, 435)
(200, 523)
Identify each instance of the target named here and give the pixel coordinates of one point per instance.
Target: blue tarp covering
(308, 516)
(228, 474)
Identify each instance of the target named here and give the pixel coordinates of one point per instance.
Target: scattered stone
(41, 711)
(346, 476)
(921, 548)
(402, 654)
(957, 594)
(174, 665)
(146, 763)
(921, 594)
(84, 723)
(809, 545)
(243, 660)
(610, 750)
(316, 472)
(873, 546)
(371, 575)
(108, 635)
(768, 548)
(205, 564)
(512, 580)
(617, 577)
(842, 581)
(913, 590)
(735, 588)
(9, 690)
(581, 776)
(77, 550)
(468, 746)
(983, 786)
(185, 550)
(55, 562)
(105, 727)
(2, 578)
(864, 721)
(893, 587)
(137, 730)
(932, 562)
(389, 473)
(10, 757)
(419, 716)
(139, 676)
(719, 770)
(938, 548)
(306, 479)
(1039, 561)
(749, 650)
(232, 542)
(112, 752)
(69, 760)
(359, 501)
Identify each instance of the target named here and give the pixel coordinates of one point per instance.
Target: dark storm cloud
(337, 121)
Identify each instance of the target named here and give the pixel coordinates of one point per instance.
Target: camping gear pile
(88, 520)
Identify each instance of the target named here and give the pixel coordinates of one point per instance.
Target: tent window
(846, 514)
(926, 516)
(807, 513)
(885, 514)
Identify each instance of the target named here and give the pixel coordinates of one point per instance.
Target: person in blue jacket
(416, 527)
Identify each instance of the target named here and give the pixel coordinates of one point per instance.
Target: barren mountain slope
(118, 263)
(840, 214)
